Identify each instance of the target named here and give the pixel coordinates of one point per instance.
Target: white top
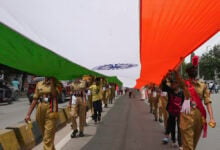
(163, 93)
(89, 92)
(73, 100)
(154, 94)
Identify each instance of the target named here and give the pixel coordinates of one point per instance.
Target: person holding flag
(193, 114)
(96, 89)
(46, 92)
(78, 106)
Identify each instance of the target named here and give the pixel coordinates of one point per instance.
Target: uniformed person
(78, 106)
(96, 90)
(193, 116)
(105, 95)
(142, 90)
(163, 100)
(47, 92)
(155, 100)
(87, 94)
(114, 90)
(149, 93)
(110, 92)
(160, 107)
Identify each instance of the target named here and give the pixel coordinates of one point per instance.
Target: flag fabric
(135, 41)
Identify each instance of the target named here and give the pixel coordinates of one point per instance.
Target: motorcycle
(5, 93)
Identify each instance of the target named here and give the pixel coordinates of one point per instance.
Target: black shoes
(106, 105)
(99, 118)
(73, 135)
(160, 120)
(81, 134)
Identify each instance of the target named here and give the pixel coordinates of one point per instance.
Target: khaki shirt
(200, 87)
(202, 90)
(43, 89)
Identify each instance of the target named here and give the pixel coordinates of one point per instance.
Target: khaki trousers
(163, 100)
(155, 107)
(47, 122)
(78, 110)
(191, 128)
(104, 99)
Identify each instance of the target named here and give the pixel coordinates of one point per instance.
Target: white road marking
(67, 138)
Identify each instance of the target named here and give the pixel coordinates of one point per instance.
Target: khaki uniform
(78, 106)
(191, 125)
(105, 96)
(88, 79)
(46, 114)
(155, 100)
(110, 92)
(90, 104)
(150, 100)
(78, 110)
(163, 100)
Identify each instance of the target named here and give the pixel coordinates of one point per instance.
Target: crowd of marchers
(87, 93)
(181, 106)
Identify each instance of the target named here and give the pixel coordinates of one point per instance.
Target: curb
(8, 140)
(24, 135)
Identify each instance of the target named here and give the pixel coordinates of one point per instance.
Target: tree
(191, 56)
(183, 67)
(210, 63)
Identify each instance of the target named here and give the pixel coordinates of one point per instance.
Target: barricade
(8, 140)
(24, 135)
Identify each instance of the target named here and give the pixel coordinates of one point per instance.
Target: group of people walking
(86, 93)
(180, 104)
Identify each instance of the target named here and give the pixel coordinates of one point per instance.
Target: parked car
(62, 98)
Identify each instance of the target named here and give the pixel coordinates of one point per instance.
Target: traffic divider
(8, 140)
(24, 135)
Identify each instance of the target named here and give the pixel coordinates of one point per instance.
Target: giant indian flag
(135, 41)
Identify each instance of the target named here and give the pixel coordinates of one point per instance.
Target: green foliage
(209, 63)
(183, 72)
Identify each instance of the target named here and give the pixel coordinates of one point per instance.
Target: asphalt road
(125, 126)
(11, 114)
(130, 126)
(212, 142)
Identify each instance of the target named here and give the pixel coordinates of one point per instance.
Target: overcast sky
(207, 45)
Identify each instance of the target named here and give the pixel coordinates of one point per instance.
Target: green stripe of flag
(23, 54)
